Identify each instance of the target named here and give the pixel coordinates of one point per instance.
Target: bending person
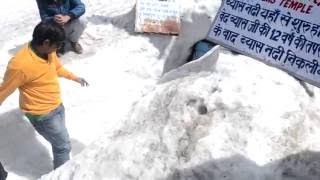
(34, 70)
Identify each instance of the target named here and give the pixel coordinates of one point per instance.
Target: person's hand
(82, 81)
(61, 19)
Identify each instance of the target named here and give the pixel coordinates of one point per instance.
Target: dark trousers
(3, 173)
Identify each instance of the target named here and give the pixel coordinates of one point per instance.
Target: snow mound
(147, 117)
(221, 125)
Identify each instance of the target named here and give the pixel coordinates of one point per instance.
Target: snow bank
(236, 123)
(235, 119)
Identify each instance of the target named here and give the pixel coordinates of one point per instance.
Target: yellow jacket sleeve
(13, 78)
(62, 72)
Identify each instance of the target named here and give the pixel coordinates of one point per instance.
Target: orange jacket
(37, 80)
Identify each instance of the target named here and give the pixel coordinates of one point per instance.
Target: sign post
(158, 16)
(281, 33)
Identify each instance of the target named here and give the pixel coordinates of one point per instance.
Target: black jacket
(3, 173)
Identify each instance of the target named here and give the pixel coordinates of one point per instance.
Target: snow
(136, 121)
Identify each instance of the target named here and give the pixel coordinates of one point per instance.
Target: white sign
(158, 16)
(281, 33)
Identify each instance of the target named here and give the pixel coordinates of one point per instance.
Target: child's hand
(82, 81)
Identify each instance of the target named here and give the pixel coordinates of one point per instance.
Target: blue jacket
(49, 8)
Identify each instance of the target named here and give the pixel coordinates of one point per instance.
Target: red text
(297, 6)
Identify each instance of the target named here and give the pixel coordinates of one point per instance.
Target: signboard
(158, 16)
(281, 33)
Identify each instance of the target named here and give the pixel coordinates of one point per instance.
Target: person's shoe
(76, 47)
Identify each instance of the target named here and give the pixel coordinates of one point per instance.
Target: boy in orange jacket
(34, 70)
